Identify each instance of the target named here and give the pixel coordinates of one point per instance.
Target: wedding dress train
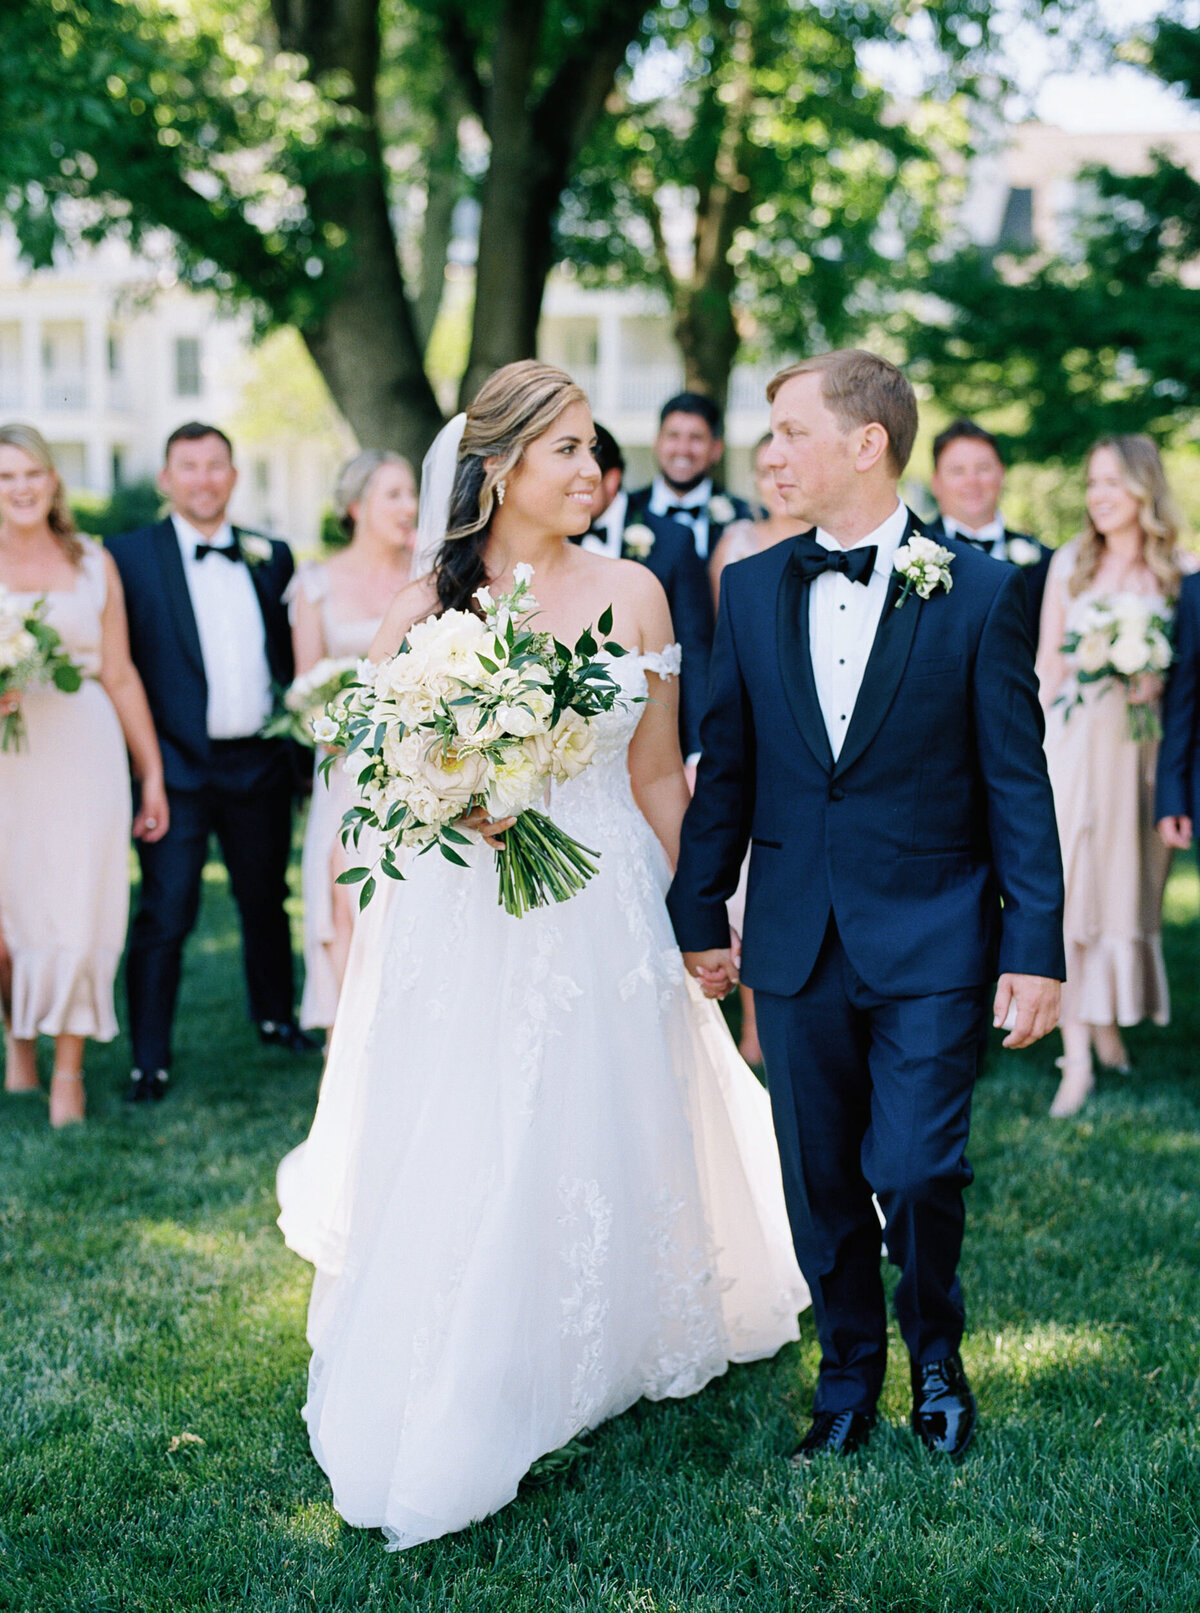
(540, 1182)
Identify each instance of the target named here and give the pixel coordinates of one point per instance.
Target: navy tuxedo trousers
(873, 1094)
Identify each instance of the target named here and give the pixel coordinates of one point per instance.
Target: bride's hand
(1144, 689)
(10, 701)
(490, 829)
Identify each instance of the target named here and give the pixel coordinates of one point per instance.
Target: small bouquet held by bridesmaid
(306, 699)
(31, 653)
(1120, 639)
(475, 711)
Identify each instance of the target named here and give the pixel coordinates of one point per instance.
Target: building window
(1016, 227)
(118, 467)
(114, 353)
(187, 367)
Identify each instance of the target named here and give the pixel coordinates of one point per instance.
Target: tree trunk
(535, 140)
(442, 192)
(364, 342)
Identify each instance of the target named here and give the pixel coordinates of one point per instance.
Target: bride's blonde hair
(511, 409)
(1145, 480)
(59, 518)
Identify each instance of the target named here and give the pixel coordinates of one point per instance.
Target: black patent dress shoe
(282, 1033)
(944, 1412)
(836, 1433)
(150, 1087)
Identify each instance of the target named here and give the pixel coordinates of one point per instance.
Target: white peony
(1091, 654)
(516, 783)
(1160, 651)
(1129, 653)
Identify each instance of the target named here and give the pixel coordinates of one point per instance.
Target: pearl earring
(500, 486)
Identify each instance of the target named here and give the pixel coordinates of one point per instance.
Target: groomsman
(968, 476)
(1178, 784)
(666, 548)
(209, 634)
(688, 447)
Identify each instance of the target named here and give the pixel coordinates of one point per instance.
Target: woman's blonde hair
(511, 409)
(59, 519)
(1158, 516)
(355, 478)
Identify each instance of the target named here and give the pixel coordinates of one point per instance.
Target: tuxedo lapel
(170, 564)
(795, 663)
(267, 603)
(885, 666)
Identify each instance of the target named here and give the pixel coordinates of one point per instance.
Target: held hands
(1144, 689)
(1175, 833)
(716, 969)
(1031, 1003)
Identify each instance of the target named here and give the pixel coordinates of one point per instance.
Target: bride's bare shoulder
(411, 604)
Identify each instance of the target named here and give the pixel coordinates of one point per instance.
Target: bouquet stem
(540, 864)
(1144, 723)
(12, 731)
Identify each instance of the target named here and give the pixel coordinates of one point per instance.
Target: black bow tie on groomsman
(690, 512)
(810, 559)
(230, 551)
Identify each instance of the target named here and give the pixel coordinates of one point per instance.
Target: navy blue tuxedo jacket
(936, 813)
(165, 644)
(1178, 789)
(1034, 574)
(638, 509)
(684, 576)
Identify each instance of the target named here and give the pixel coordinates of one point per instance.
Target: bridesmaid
(337, 606)
(740, 540)
(1115, 864)
(744, 538)
(64, 797)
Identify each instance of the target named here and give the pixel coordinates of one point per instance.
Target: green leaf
(450, 833)
(366, 894)
(604, 625)
(352, 876)
(451, 856)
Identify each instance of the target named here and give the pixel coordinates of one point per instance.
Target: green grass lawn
(152, 1367)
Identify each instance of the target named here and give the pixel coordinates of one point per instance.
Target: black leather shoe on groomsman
(276, 1033)
(943, 1414)
(150, 1087)
(834, 1433)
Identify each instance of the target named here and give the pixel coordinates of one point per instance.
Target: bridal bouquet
(475, 712)
(306, 700)
(1120, 639)
(31, 653)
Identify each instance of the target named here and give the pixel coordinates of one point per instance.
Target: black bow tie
(229, 551)
(985, 545)
(690, 512)
(810, 559)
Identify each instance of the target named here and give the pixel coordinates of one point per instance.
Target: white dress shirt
(232, 637)
(843, 618)
(991, 534)
(692, 510)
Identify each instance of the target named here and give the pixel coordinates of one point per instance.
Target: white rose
(1022, 552)
(573, 744)
(1160, 651)
(402, 755)
(254, 549)
(1128, 654)
(720, 509)
(455, 775)
(1091, 653)
(324, 729)
(639, 540)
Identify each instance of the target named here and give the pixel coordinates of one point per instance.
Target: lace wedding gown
(540, 1183)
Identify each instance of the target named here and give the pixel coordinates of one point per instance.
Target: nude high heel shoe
(1074, 1089)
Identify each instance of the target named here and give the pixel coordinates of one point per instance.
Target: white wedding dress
(540, 1183)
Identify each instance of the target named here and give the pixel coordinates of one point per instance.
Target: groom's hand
(714, 969)
(1032, 1002)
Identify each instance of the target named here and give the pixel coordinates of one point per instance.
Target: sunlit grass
(152, 1370)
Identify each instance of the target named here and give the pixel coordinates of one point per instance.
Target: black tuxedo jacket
(165, 644)
(639, 506)
(1035, 573)
(1178, 792)
(684, 576)
(932, 838)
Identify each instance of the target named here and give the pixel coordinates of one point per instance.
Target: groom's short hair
(862, 389)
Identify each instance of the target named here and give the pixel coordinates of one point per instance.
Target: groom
(882, 755)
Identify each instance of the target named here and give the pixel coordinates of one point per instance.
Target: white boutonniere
(638, 540)
(255, 550)
(924, 566)
(1022, 552)
(720, 509)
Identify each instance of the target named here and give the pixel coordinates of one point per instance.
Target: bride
(540, 1183)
